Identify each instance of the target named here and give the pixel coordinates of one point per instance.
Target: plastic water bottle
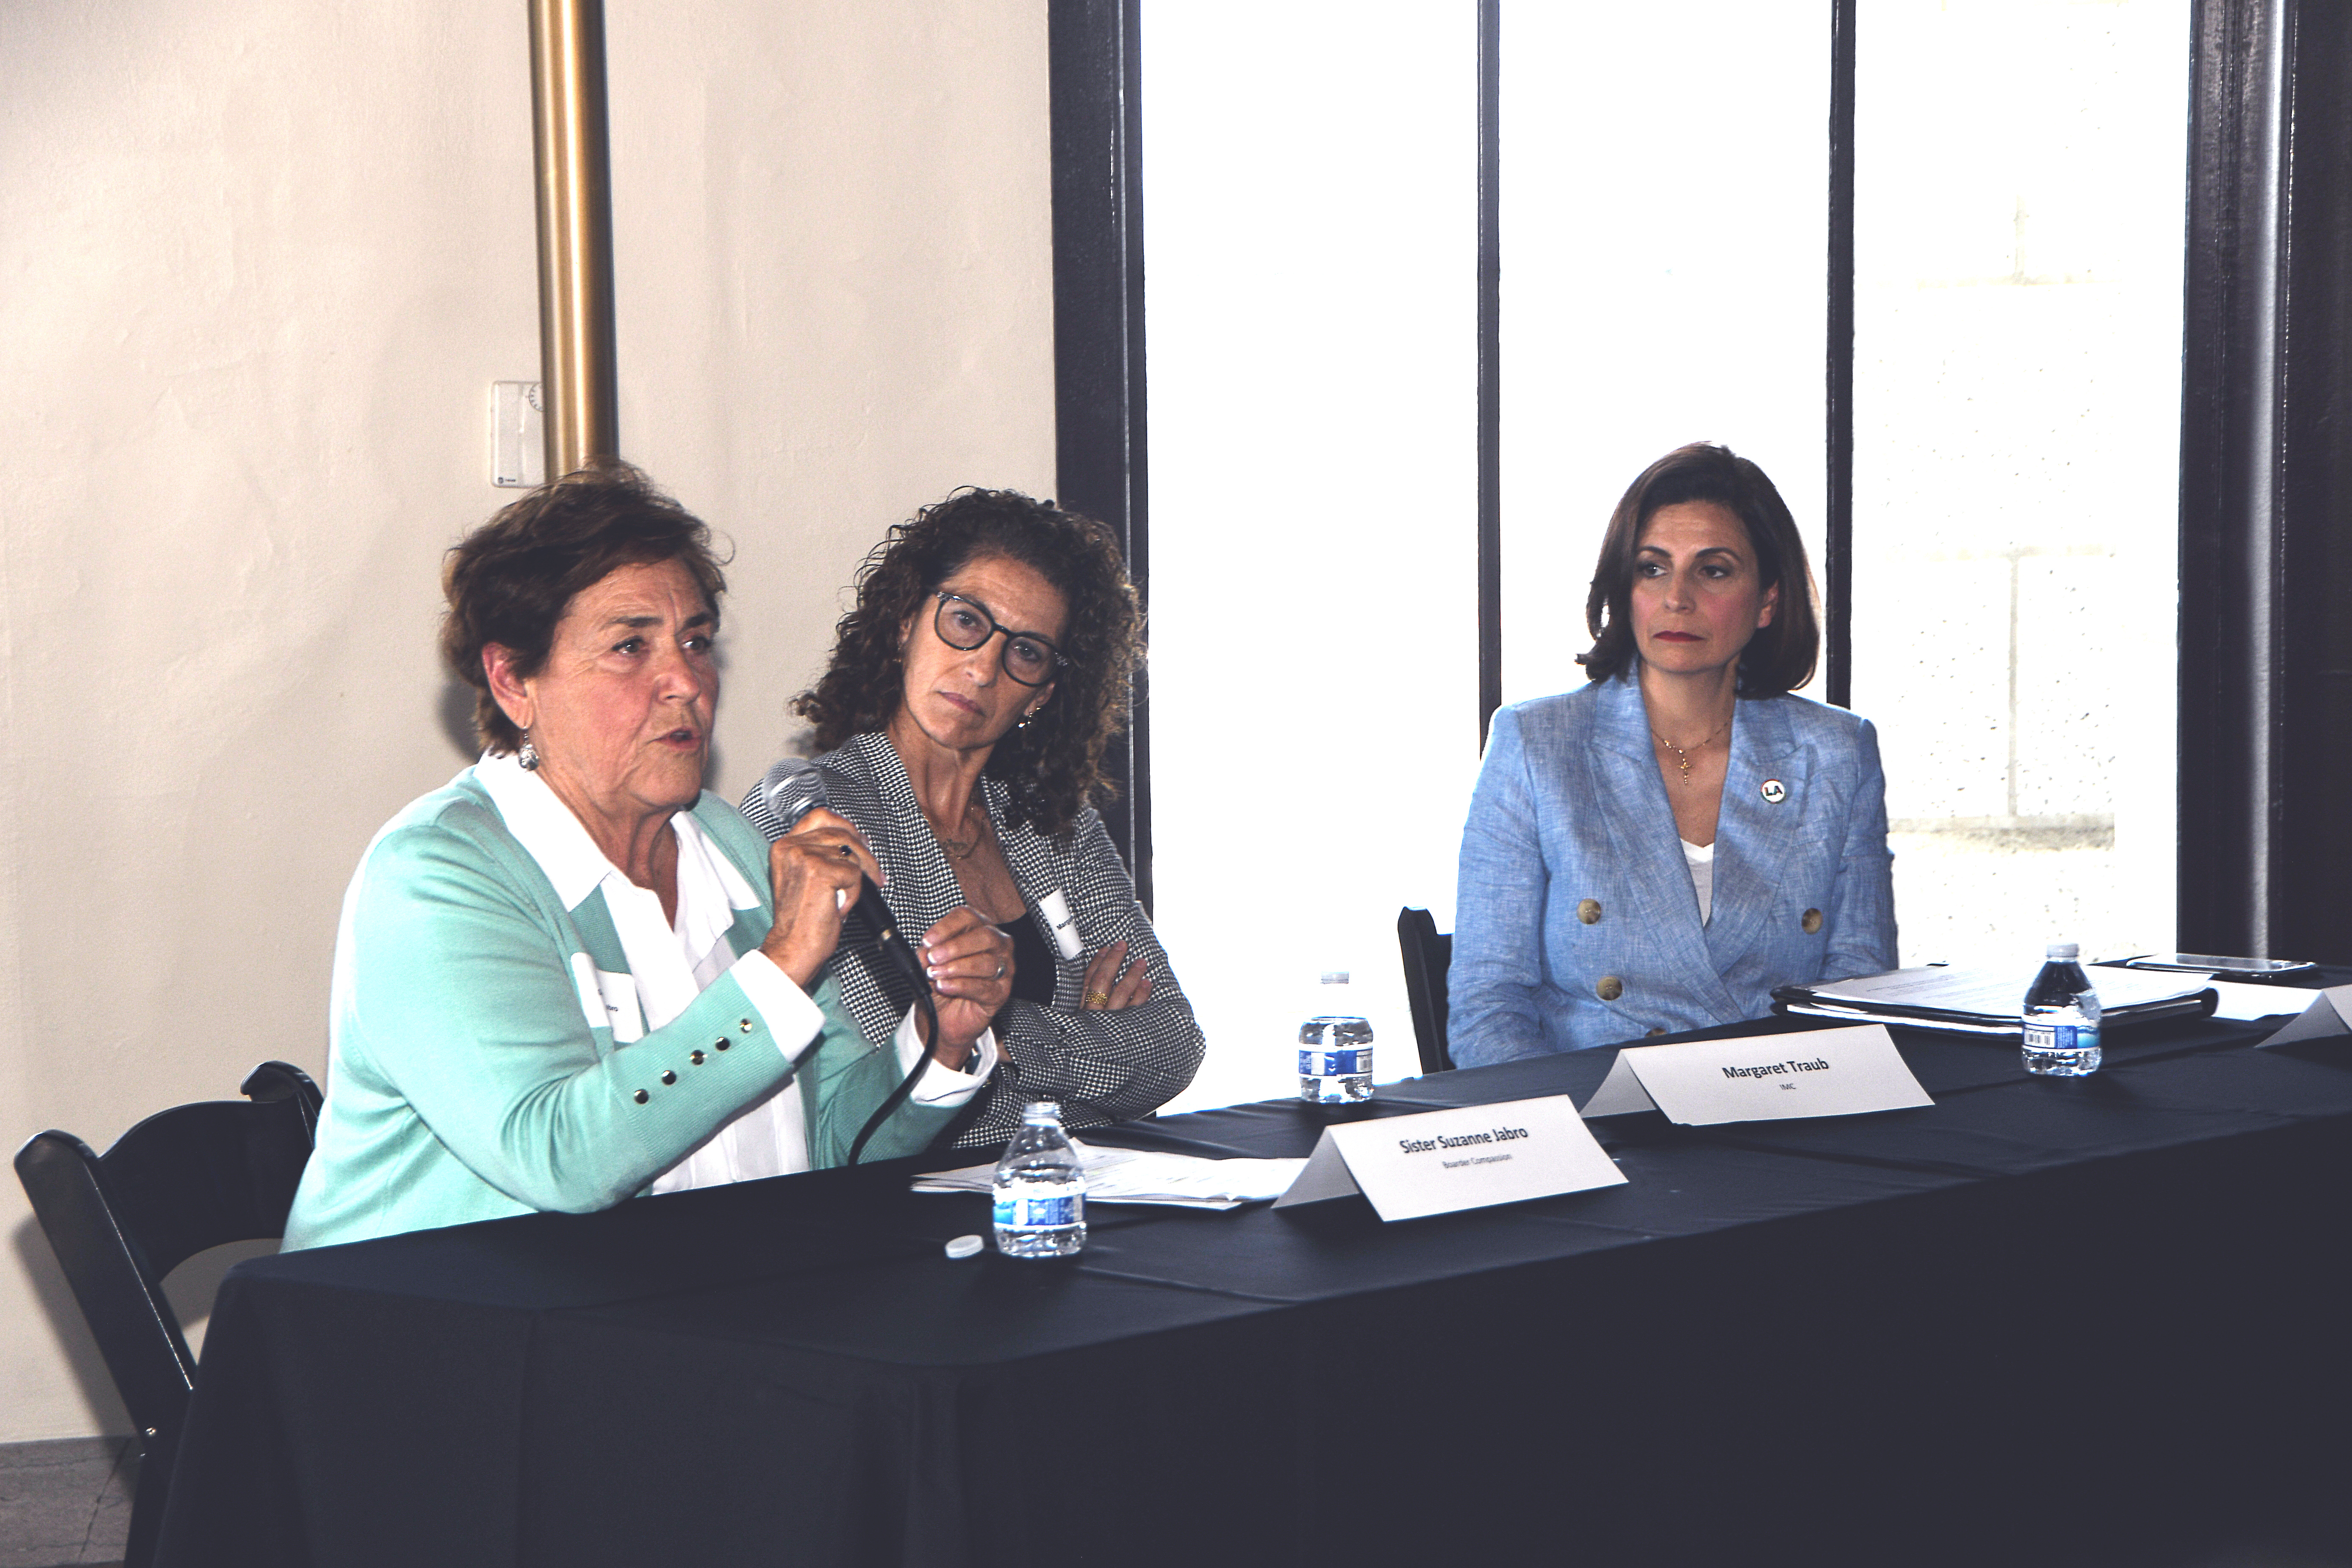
(2061, 1018)
(1334, 1048)
(1041, 1192)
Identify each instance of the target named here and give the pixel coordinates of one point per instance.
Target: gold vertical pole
(576, 232)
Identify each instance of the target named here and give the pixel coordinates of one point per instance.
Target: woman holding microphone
(570, 975)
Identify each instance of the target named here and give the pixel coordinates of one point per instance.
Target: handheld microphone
(869, 923)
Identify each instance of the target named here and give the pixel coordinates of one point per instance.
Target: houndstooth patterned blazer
(1103, 1066)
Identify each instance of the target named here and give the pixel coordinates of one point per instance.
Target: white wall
(258, 266)
(833, 237)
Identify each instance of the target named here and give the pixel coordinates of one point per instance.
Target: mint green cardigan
(465, 1079)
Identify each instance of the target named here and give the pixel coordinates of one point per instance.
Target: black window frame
(1094, 72)
(2264, 696)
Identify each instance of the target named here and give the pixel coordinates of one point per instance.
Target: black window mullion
(1490, 374)
(1837, 548)
(1095, 78)
(2265, 680)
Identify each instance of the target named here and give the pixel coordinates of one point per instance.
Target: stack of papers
(1986, 1001)
(1139, 1176)
(2241, 1000)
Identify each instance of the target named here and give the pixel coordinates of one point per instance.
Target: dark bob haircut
(1053, 767)
(510, 580)
(1778, 658)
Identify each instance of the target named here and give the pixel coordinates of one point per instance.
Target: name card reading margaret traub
(1762, 1078)
(1465, 1158)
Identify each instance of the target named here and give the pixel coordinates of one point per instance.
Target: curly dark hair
(1054, 765)
(510, 580)
(1779, 658)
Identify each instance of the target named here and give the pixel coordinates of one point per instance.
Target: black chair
(1427, 951)
(183, 1181)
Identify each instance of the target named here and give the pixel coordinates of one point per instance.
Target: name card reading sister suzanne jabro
(1762, 1078)
(1464, 1158)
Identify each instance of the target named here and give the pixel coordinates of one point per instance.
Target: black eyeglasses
(1027, 657)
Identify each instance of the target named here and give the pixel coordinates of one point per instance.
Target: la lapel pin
(1773, 791)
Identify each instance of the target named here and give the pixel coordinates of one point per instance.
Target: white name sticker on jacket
(1763, 1078)
(592, 1000)
(1056, 910)
(1465, 1158)
(608, 1000)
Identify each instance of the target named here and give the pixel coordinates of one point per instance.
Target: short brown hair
(510, 580)
(1780, 657)
(1054, 763)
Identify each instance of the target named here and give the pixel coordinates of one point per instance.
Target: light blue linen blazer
(1577, 924)
(466, 1081)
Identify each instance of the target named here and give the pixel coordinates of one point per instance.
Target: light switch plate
(517, 436)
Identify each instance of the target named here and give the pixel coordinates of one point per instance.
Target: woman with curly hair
(972, 692)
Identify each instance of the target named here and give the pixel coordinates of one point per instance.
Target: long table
(2044, 1320)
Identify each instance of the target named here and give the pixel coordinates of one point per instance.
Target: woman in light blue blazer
(1656, 850)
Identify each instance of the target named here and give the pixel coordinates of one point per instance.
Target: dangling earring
(1026, 716)
(529, 754)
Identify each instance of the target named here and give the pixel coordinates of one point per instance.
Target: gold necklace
(1683, 757)
(960, 849)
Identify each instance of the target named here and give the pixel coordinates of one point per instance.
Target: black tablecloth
(2042, 1320)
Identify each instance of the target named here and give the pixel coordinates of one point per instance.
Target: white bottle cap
(1041, 1111)
(964, 1246)
(2065, 950)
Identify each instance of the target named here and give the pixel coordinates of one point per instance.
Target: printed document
(1997, 994)
(1147, 1176)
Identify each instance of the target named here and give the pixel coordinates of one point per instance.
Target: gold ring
(1098, 999)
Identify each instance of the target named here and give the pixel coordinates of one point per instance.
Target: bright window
(1311, 229)
(1311, 240)
(1664, 243)
(2019, 181)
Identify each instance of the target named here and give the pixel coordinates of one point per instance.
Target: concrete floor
(65, 1503)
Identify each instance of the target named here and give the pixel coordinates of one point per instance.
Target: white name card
(1762, 1078)
(2326, 1014)
(1466, 1158)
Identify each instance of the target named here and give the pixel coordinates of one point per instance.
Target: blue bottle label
(1335, 1064)
(1040, 1213)
(2061, 1036)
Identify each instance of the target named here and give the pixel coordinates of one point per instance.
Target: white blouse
(1701, 862)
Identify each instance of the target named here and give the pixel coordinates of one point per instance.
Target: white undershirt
(1701, 861)
(672, 960)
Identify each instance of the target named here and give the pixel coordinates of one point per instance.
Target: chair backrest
(1427, 953)
(186, 1179)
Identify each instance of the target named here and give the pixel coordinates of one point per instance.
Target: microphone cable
(869, 923)
(902, 958)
